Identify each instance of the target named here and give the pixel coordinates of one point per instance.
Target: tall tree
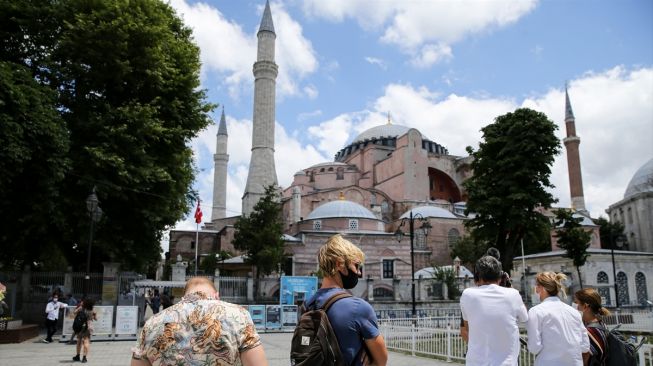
(511, 174)
(608, 231)
(573, 238)
(259, 235)
(125, 78)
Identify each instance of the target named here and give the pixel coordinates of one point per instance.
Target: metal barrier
(646, 355)
(233, 289)
(42, 284)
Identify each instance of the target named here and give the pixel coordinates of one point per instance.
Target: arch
(453, 237)
(441, 186)
(640, 288)
(340, 173)
(387, 252)
(622, 289)
(602, 277)
(383, 293)
(604, 291)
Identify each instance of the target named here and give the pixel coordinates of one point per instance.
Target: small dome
(642, 181)
(429, 211)
(331, 163)
(341, 208)
(387, 130)
(430, 272)
(301, 172)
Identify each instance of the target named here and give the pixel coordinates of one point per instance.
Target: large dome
(341, 208)
(429, 211)
(642, 181)
(387, 130)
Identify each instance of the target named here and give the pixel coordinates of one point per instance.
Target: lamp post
(618, 240)
(95, 214)
(426, 226)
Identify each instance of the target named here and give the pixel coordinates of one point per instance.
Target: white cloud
(311, 91)
(230, 51)
(413, 25)
(307, 115)
(376, 61)
(332, 134)
(431, 54)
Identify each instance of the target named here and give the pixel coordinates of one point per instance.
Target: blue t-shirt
(353, 320)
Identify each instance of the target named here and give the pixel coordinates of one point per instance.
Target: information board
(257, 312)
(126, 322)
(273, 317)
(295, 289)
(289, 316)
(103, 326)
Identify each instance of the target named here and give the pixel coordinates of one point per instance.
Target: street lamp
(618, 240)
(426, 226)
(95, 214)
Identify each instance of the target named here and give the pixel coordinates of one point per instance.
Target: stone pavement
(35, 353)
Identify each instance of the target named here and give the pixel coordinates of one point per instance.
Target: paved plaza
(114, 353)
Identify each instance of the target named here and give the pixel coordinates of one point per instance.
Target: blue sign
(296, 289)
(257, 312)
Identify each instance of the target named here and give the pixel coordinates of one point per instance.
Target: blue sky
(444, 67)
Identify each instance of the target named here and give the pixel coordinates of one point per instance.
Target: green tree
(448, 276)
(124, 80)
(468, 250)
(573, 238)
(608, 231)
(209, 264)
(259, 235)
(511, 176)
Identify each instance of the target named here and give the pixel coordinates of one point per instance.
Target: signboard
(109, 292)
(289, 316)
(126, 322)
(273, 317)
(296, 289)
(257, 312)
(103, 326)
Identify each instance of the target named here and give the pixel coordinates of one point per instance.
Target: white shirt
(492, 313)
(556, 334)
(52, 309)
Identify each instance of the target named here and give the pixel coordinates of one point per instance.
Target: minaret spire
(220, 162)
(262, 172)
(573, 157)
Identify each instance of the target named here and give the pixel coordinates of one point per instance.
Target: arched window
(454, 236)
(340, 173)
(603, 287)
(420, 239)
(622, 289)
(381, 293)
(640, 286)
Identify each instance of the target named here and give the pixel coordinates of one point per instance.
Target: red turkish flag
(198, 213)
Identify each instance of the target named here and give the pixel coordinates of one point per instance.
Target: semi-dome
(429, 211)
(642, 181)
(377, 132)
(341, 208)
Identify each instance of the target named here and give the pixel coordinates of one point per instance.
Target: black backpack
(619, 352)
(81, 321)
(314, 343)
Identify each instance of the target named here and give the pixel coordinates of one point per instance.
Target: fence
(233, 289)
(646, 355)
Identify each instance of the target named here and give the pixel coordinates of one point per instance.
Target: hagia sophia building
(384, 175)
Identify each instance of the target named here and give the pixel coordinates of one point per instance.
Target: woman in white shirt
(556, 334)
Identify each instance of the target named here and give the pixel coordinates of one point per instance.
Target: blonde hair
(552, 283)
(592, 299)
(337, 248)
(198, 284)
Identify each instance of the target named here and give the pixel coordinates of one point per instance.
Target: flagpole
(197, 244)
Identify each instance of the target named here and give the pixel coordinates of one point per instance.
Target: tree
(573, 238)
(608, 231)
(511, 174)
(468, 250)
(124, 83)
(259, 235)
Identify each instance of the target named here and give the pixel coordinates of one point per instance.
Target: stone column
(179, 270)
(68, 281)
(396, 288)
(370, 289)
(250, 289)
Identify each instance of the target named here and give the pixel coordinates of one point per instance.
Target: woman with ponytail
(588, 303)
(556, 334)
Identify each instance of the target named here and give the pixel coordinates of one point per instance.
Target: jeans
(51, 325)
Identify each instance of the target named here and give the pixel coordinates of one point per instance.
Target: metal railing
(645, 354)
(428, 337)
(42, 284)
(233, 289)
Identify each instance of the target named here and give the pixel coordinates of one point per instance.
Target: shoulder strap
(333, 299)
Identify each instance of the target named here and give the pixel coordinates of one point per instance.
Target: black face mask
(350, 280)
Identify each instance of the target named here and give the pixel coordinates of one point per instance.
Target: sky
(445, 67)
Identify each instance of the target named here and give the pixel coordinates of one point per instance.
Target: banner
(126, 321)
(257, 312)
(295, 289)
(273, 317)
(289, 316)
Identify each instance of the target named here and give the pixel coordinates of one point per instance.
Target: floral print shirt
(197, 331)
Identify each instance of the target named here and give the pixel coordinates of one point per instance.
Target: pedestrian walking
(556, 334)
(199, 330)
(86, 330)
(52, 316)
(491, 313)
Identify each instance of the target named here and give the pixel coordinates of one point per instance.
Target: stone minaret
(573, 158)
(220, 160)
(262, 172)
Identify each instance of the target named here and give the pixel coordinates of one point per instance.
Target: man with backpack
(337, 328)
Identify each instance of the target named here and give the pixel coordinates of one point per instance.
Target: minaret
(220, 160)
(573, 158)
(262, 172)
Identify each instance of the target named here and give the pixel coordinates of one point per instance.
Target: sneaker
(76, 358)
(45, 341)
(84, 359)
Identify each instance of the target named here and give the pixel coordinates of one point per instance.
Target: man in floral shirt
(200, 330)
